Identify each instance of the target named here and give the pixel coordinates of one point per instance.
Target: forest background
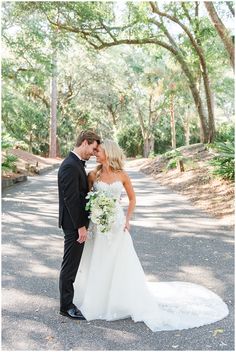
(152, 75)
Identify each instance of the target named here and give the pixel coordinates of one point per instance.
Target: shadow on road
(174, 242)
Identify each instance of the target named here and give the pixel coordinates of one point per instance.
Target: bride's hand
(127, 226)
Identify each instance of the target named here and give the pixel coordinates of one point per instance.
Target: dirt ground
(28, 164)
(214, 195)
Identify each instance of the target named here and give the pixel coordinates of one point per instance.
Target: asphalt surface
(173, 240)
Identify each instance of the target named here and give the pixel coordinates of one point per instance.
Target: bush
(152, 155)
(172, 154)
(9, 163)
(174, 157)
(225, 132)
(7, 141)
(131, 141)
(224, 162)
(172, 164)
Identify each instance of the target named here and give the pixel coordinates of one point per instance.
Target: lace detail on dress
(113, 189)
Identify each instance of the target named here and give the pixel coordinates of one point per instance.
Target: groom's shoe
(73, 313)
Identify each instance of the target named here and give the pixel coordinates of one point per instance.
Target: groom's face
(100, 155)
(89, 149)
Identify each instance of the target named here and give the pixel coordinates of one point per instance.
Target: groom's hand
(82, 232)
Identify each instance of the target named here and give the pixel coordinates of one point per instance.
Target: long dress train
(111, 283)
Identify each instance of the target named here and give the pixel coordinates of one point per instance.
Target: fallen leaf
(222, 343)
(218, 331)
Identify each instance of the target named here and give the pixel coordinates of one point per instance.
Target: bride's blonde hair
(114, 154)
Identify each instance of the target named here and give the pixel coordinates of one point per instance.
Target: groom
(73, 188)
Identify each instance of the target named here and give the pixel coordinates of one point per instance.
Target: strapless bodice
(113, 189)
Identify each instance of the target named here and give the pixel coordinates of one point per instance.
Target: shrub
(225, 132)
(172, 154)
(224, 161)
(9, 163)
(174, 157)
(152, 155)
(9, 160)
(131, 141)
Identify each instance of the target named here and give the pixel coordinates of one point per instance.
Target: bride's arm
(91, 179)
(132, 198)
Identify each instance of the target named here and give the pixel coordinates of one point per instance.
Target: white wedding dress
(111, 283)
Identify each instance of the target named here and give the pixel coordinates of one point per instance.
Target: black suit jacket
(73, 188)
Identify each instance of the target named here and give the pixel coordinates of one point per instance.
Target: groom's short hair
(89, 136)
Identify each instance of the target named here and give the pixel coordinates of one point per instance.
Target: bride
(111, 283)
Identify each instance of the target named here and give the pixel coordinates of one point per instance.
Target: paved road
(174, 241)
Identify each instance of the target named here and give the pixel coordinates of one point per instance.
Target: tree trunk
(145, 148)
(114, 124)
(222, 30)
(53, 120)
(151, 146)
(172, 122)
(148, 145)
(58, 149)
(186, 127)
(199, 107)
(30, 141)
(210, 107)
(209, 101)
(181, 165)
(196, 43)
(204, 72)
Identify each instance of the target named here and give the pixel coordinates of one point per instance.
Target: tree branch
(230, 5)
(108, 30)
(185, 29)
(36, 92)
(186, 11)
(89, 30)
(136, 42)
(221, 30)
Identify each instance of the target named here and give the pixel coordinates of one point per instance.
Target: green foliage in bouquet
(102, 209)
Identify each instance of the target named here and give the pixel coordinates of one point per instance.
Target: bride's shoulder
(92, 175)
(123, 176)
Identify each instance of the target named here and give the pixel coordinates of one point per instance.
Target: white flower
(102, 208)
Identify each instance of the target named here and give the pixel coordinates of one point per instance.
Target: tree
(37, 54)
(106, 89)
(103, 36)
(221, 29)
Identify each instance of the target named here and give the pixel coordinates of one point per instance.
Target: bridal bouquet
(102, 208)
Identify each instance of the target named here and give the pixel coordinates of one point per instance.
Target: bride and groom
(101, 272)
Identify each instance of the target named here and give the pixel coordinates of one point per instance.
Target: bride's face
(100, 155)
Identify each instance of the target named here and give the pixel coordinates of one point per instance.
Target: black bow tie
(83, 162)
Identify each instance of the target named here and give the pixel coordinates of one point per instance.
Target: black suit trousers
(72, 255)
